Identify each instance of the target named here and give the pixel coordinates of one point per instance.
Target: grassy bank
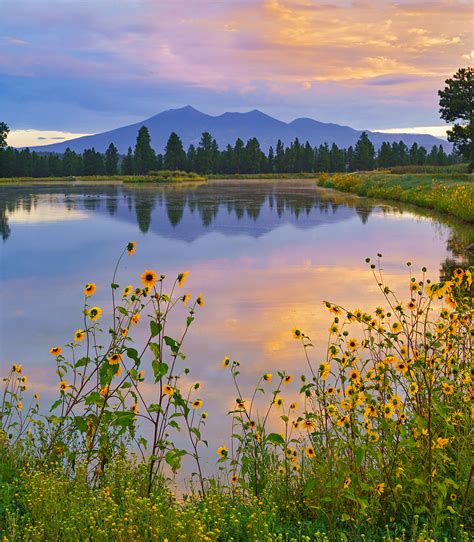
(372, 443)
(452, 194)
(164, 176)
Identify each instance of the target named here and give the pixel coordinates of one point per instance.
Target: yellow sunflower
(200, 300)
(56, 350)
(168, 390)
(225, 362)
(182, 278)
(63, 385)
(79, 335)
(267, 377)
(149, 278)
(197, 404)
(287, 379)
(297, 333)
(94, 313)
(115, 359)
(186, 298)
(352, 345)
(222, 451)
(310, 452)
(131, 247)
(90, 289)
(127, 290)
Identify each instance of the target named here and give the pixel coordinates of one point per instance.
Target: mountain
(189, 124)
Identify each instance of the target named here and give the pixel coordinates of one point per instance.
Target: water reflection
(264, 253)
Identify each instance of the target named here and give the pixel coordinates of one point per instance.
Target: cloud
(125, 60)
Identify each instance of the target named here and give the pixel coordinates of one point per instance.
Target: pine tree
(144, 156)
(364, 154)
(127, 163)
(111, 160)
(175, 157)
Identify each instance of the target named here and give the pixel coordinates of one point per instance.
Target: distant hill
(189, 124)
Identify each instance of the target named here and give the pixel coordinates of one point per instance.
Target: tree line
(207, 158)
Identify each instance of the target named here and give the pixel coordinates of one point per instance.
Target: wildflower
(396, 327)
(309, 452)
(278, 401)
(402, 366)
(267, 377)
(293, 406)
(333, 328)
(287, 379)
(239, 404)
(347, 483)
(352, 344)
(413, 388)
(19, 406)
(448, 389)
(63, 385)
(186, 298)
(197, 404)
(453, 497)
(55, 351)
(124, 331)
(343, 421)
(115, 359)
(135, 408)
(295, 467)
(136, 318)
(354, 375)
(234, 478)
(94, 313)
(280, 470)
(335, 310)
(148, 278)
(16, 368)
(307, 424)
(296, 424)
(388, 410)
(131, 247)
(396, 401)
(200, 300)
(331, 410)
(324, 369)
(182, 278)
(441, 442)
(252, 424)
(380, 488)
(374, 438)
(127, 290)
(107, 491)
(204, 415)
(222, 451)
(90, 289)
(104, 391)
(297, 333)
(37, 396)
(79, 335)
(225, 362)
(168, 390)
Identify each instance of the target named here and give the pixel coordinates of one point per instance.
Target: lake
(264, 253)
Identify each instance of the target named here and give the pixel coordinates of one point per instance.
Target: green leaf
(133, 354)
(81, 362)
(174, 346)
(80, 423)
(159, 369)
(93, 398)
(155, 348)
(155, 328)
(276, 439)
(55, 405)
(309, 486)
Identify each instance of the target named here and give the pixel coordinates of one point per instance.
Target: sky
(73, 67)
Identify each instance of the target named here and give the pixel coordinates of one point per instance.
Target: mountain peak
(189, 123)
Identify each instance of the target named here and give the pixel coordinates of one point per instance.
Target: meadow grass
(164, 176)
(452, 194)
(376, 446)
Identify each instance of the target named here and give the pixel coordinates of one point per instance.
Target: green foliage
(453, 194)
(376, 446)
(457, 105)
(4, 131)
